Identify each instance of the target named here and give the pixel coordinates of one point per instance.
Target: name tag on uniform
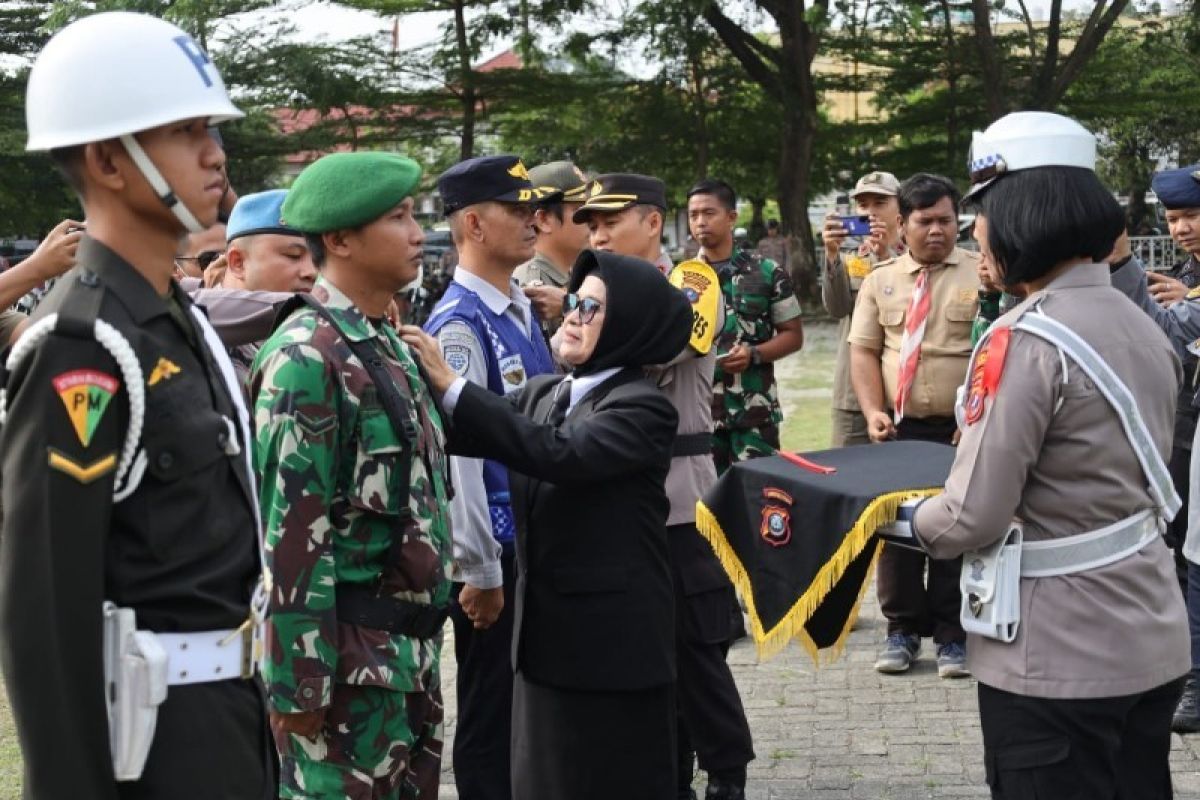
(512, 373)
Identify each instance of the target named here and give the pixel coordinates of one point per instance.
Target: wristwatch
(755, 356)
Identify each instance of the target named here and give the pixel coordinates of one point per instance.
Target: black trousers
(581, 745)
(485, 688)
(912, 602)
(211, 740)
(712, 722)
(1113, 748)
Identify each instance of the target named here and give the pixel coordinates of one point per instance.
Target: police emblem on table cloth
(85, 393)
(776, 526)
(512, 372)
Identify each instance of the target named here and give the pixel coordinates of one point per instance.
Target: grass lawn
(804, 390)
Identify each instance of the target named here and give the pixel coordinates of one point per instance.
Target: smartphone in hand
(856, 224)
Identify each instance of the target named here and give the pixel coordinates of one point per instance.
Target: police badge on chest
(512, 373)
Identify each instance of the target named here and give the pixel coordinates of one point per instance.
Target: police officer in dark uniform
(1179, 194)
(128, 495)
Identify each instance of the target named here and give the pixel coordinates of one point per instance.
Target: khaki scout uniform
(840, 282)
(878, 324)
(913, 603)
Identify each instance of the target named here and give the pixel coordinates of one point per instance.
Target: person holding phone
(875, 199)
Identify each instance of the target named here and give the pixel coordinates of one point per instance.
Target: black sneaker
(1187, 713)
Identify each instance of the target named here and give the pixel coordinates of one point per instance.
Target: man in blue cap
(490, 334)
(263, 254)
(1177, 312)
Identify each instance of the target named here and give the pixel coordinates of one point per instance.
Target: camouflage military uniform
(332, 501)
(758, 296)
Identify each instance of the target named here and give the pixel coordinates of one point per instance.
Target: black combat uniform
(180, 550)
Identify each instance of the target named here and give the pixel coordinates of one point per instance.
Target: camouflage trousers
(733, 445)
(377, 744)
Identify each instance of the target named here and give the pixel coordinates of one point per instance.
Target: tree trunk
(757, 229)
(794, 160)
(989, 60)
(467, 79)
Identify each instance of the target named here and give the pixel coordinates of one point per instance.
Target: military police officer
(354, 495)
(130, 532)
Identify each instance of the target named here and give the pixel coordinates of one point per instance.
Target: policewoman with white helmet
(1059, 490)
(130, 555)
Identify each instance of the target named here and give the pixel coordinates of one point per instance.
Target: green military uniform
(758, 296)
(358, 545)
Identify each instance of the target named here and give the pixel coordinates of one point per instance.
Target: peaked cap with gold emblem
(502, 179)
(618, 191)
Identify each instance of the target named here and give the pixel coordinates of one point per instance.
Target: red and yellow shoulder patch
(985, 376)
(85, 393)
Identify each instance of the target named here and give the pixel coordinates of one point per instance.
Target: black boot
(1187, 713)
(726, 788)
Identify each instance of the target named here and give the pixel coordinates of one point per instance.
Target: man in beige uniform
(624, 214)
(1080, 703)
(560, 240)
(875, 196)
(928, 205)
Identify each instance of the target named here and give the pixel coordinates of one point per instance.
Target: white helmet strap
(159, 184)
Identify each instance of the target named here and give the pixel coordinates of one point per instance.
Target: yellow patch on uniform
(163, 370)
(1194, 293)
(967, 295)
(857, 266)
(518, 171)
(698, 282)
(84, 473)
(85, 393)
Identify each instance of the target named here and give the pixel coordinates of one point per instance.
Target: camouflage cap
(562, 176)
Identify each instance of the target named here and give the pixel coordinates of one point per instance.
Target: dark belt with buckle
(359, 605)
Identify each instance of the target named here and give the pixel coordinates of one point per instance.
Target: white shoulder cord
(132, 464)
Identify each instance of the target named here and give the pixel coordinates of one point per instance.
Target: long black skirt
(573, 745)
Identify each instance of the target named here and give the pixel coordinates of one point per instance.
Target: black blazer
(594, 605)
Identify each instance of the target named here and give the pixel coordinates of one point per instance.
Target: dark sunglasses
(586, 306)
(202, 260)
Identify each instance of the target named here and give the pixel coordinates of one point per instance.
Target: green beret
(345, 190)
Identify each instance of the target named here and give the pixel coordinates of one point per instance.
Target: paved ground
(845, 732)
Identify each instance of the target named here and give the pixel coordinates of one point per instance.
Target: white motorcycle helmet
(111, 75)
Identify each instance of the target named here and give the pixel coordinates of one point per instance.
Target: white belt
(208, 655)
(1050, 557)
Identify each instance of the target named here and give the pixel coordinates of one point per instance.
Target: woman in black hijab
(593, 640)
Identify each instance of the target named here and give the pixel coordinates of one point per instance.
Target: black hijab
(646, 319)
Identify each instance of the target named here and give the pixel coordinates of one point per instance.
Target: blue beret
(345, 190)
(503, 179)
(1178, 188)
(259, 213)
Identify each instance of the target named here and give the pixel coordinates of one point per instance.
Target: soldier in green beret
(350, 450)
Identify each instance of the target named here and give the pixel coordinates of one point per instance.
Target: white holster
(991, 588)
(135, 684)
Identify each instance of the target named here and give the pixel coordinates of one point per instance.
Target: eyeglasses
(586, 306)
(202, 260)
